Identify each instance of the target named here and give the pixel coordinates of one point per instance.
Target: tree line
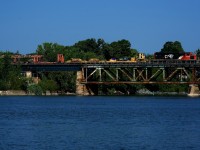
(12, 79)
(86, 49)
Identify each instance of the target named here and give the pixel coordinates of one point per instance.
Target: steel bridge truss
(140, 75)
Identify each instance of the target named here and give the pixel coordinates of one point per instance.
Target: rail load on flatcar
(178, 56)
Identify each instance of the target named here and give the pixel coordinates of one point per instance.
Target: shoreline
(24, 93)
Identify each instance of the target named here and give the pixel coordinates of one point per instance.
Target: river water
(99, 123)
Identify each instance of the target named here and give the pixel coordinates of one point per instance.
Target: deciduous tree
(120, 49)
(172, 47)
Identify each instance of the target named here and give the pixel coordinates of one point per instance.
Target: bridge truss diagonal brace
(99, 71)
(178, 70)
(126, 74)
(90, 75)
(187, 74)
(137, 73)
(159, 71)
(113, 78)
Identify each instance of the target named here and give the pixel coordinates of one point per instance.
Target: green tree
(134, 52)
(65, 80)
(198, 53)
(172, 47)
(89, 45)
(50, 51)
(48, 85)
(10, 77)
(97, 47)
(72, 52)
(7, 60)
(106, 49)
(34, 89)
(120, 49)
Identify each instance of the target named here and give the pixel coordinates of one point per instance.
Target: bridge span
(90, 74)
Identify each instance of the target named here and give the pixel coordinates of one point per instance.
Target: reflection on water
(114, 123)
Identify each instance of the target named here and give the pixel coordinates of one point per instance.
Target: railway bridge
(92, 74)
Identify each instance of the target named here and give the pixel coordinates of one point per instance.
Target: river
(99, 123)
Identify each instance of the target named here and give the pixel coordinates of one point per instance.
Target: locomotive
(178, 56)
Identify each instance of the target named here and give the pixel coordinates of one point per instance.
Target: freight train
(158, 56)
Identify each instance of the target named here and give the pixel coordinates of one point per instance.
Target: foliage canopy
(172, 47)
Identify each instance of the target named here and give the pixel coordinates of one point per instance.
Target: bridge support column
(194, 90)
(82, 89)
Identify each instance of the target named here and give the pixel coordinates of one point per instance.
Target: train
(158, 56)
(177, 56)
(161, 56)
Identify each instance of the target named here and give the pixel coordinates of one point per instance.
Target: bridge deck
(75, 66)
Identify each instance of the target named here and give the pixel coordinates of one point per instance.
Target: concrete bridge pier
(193, 90)
(83, 89)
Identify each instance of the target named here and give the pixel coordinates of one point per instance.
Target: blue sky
(147, 24)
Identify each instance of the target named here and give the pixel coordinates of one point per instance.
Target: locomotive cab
(141, 57)
(188, 56)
